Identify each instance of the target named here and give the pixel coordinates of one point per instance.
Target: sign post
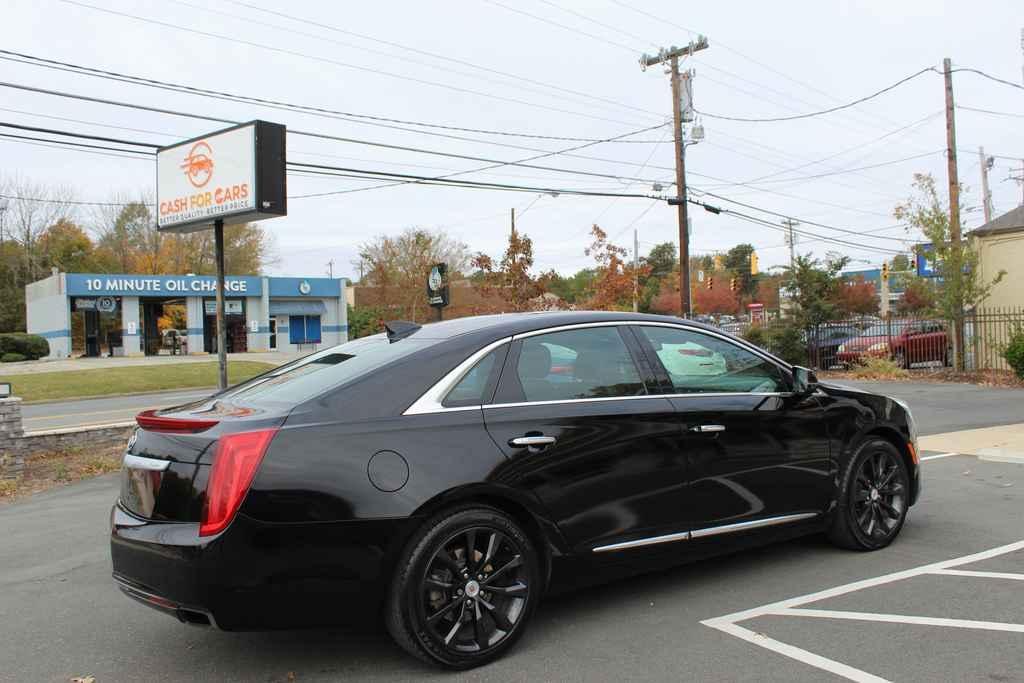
(227, 177)
(437, 289)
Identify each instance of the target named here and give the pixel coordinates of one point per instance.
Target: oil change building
(114, 314)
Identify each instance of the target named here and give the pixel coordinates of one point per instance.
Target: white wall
(48, 313)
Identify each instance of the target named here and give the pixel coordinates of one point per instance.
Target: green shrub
(1014, 352)
(12, 358)
(783, 339)
(32, 346)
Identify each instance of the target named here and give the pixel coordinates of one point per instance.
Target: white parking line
(980, 575)
(936, 457)
(791, 607)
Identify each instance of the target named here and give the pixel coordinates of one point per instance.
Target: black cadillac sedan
(445, 477)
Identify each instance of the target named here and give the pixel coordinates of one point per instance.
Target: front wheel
(464, 589)
(874, 498)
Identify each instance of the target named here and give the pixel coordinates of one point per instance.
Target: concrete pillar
(255, 318)
(131, 326)
(343, 312)
(48, 313)
(12, 460)
(194, 323)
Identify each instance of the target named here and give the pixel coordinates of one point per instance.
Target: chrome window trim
(431, 400)
(521, 404)
(138, 463)
(709, 531)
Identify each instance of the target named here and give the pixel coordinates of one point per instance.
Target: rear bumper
(256, 575)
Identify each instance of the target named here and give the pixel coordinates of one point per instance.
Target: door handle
(707, 429)
(532, 442)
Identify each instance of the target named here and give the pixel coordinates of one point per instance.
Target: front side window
(577, 364)
(700, 363)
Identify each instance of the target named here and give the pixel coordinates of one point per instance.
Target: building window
(304, 329)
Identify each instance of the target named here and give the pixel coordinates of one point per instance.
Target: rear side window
(470, 389)
(585, 363)
(314, 374)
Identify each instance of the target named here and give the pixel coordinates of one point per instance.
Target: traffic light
(711, 282)
(885, 270)
(733, 284)
(753, 263)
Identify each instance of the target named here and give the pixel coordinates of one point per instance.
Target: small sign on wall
(132, 329)
(254, 326)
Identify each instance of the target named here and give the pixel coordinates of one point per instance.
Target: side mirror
(804, 380)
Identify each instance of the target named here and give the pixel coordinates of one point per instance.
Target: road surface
(96, 411)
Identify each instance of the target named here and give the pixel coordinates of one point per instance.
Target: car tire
(874, 498)
(439, 610)
(901, 359)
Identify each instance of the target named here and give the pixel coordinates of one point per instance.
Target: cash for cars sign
(235, 175)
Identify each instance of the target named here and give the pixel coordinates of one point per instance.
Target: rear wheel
(874, 500)
(901, 359)
(464, 589)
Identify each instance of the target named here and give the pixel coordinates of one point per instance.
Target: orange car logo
(198, 164)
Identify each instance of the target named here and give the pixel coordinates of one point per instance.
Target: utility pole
(791, 240)
(330, 269)
(954, 204)
(986, 194)
(513, 220)
(636, 276)
(671, 56)
(1019, 179)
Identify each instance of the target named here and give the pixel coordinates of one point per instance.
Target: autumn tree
(512, 281)
(958, 283)
(714, 301)
(67, 247)
(612, 289)
(857, 297)
(397, 267)
(918, 297)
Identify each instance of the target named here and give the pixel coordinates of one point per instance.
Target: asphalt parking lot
(945, 602)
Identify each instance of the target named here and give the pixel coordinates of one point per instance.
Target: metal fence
(914, 343)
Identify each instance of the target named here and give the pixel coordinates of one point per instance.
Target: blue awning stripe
(297, 308)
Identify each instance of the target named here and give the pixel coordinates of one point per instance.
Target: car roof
(507, 324)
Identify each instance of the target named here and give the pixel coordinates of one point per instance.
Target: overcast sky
(570, 70)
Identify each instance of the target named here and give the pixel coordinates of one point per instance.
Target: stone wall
(15, 444)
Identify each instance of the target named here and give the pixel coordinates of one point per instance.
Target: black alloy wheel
(875, 498)
(474, 590)
(467, 590)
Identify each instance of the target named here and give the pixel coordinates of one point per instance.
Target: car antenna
(399, 329)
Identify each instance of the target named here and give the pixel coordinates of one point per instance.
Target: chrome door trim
(654, 540)
(135, 462)
(521, 404)
(431, 401)
(752, 524)
(709, 531)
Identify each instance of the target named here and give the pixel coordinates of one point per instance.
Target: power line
(346, 65)
(989, 111)
(51, 131)
(802, 220)
(23, 58)
(835, 173)
(822, 111)
(440, 57)
(990, 77)
(337, 138)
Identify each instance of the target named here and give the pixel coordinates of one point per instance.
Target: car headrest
(534, 361)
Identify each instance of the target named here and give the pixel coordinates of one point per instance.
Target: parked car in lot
(918, 342)
(443, 478)
(823, 344)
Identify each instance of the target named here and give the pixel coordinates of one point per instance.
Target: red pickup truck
(919, 342)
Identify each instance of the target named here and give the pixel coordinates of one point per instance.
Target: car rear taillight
(150, 421)
(235, 460)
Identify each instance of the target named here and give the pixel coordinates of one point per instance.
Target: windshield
(316, 373)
